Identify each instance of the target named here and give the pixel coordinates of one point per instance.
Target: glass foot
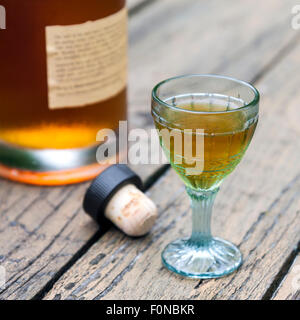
(213, 258)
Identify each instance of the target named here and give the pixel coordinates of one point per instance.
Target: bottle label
(86, 63)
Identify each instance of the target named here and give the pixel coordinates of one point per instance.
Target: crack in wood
(67, 266)
(264, 235)
(283, 52)
(41, 254)
(140, 6)
(120, 276)
(10, 281)
(158, 174)
(271, 206)
(281, 274)
(97, 273)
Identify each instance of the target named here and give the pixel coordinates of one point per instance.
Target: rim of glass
(252, 103)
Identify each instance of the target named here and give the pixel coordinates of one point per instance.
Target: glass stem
(202, 204)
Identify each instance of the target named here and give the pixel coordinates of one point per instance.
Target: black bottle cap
(105, 186)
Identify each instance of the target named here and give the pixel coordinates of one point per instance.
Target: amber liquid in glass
(226, 137)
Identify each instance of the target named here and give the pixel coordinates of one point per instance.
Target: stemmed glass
(205, 124)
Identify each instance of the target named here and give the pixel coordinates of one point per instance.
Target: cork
(131, 211)
(116, 195)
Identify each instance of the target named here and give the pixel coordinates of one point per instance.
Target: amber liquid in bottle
(226, 137)
(26, 121)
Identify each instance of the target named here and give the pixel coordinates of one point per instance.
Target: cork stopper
(116, 195)
(131, 211)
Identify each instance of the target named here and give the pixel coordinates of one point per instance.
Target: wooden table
(52, 250)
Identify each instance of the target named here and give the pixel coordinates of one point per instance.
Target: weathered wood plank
(289, 288)
(258, 209)
(41, 229)
(133, 4)
(176, 37)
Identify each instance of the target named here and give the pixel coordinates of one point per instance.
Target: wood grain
(43, 231)
(134, 5)
(258, 209)
(289, 289)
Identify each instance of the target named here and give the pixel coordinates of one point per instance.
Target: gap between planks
(136, 6)
(282, 278)
(289, 288)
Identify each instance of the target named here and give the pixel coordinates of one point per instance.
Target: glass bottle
(63, 78)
